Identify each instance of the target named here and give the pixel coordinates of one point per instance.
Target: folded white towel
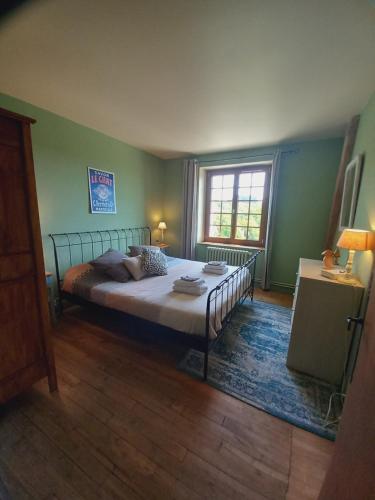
(210, 270)
(190, 284)
(191, 290)
(220, 263)
(188, 287)
(215, 268)
(190, 278)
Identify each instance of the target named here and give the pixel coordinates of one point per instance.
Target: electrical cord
(337, 420)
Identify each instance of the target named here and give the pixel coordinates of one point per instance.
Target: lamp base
(349, 263)
(333, 274)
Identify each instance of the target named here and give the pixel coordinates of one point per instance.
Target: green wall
(306, 183)
(62, 151)
(365, 214)
(149, 189)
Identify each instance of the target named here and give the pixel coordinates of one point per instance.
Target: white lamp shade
(162, 225)
(356, 239)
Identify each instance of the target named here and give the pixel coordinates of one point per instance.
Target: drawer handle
(356, 320)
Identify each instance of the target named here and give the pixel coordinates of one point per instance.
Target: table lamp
(162, 226)
(355, 240)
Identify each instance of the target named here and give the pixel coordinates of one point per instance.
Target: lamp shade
(162, 225)
(356, 239)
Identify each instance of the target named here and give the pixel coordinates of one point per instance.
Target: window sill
(229, 245)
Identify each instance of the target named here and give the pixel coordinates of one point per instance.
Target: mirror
(352, 180)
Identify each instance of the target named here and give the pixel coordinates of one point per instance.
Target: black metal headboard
(71, 249)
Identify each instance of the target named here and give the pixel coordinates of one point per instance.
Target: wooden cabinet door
(20, 336)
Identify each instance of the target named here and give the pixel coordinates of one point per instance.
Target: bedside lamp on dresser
(162, 226)
(161, 244)
(354, 240)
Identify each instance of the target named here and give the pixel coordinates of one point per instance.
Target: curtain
(190, 208)
(266, 281)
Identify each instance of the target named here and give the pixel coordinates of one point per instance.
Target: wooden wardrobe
(25, 346)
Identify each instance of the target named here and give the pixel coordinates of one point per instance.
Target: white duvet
(153, 299)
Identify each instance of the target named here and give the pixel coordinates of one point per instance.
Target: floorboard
(126, 424)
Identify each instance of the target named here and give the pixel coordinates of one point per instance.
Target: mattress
(153, 298)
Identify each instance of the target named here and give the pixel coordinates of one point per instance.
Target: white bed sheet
(153, 298)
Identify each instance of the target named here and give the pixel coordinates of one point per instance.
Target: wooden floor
(282, 299)
(127, 425)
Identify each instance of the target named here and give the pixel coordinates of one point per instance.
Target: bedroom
(139, 91)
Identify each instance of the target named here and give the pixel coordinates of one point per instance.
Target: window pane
(258, 178)
(257, 193)
(227, 194)
(253, 233)
(225, 231)
(217, 181)
(226, 219)
(215, 207)
(244, 193)
(243, 207)
(226, 207)
(241, 233)
(228, 181)
(215, 220)
(256, 207)
(246, 216)
(242, 220)
(245, 180)
(254, 220)
(214, 231)
(216, 194)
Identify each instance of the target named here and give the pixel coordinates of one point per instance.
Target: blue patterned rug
(249, 362)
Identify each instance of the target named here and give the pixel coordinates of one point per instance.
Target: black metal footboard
(223, 300)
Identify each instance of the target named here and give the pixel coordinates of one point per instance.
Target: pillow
(154, 263)
(111, 263)
(137, 249)
(134, 266)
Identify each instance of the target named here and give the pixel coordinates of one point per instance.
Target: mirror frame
(351, 191)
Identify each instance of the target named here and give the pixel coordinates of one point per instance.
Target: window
(237, 205)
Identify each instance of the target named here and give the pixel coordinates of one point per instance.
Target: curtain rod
(248, 157)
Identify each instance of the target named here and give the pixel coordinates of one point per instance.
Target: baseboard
(282, 284)
(276, 286)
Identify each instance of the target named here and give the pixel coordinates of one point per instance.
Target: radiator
(231, 255)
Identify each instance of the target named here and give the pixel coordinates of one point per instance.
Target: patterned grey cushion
(112, 263)
(135, 266)
(154, 262)
(137, 249)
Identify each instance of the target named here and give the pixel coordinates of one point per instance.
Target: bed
(198, 320)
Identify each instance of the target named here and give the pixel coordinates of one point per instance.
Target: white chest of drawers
(319, 339)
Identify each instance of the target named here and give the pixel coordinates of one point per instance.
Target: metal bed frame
(222, 301)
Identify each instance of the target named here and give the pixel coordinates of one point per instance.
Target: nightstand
(163, 246)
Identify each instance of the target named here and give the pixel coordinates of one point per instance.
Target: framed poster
(102, 191)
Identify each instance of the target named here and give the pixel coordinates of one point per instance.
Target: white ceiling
(176, 77)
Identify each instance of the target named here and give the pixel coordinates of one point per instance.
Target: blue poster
(102, 191)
